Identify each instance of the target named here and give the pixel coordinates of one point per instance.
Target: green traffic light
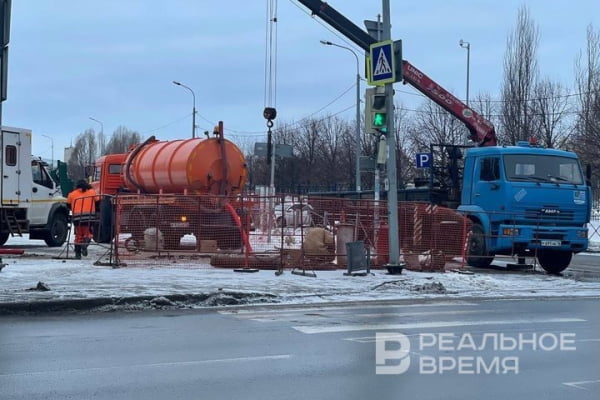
(379, 120)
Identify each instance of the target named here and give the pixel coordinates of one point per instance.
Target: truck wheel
(57, 234)
(104, 230)
(478, 254)
(554, 261)
(3, 237)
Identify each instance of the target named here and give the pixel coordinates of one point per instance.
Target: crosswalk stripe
(336, 314)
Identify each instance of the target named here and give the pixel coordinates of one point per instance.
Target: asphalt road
(584, 266)
(307, 352)
(586, 260)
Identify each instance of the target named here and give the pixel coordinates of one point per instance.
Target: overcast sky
(115, 60)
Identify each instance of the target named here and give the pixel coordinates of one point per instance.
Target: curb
(212, 300)
(81, 305)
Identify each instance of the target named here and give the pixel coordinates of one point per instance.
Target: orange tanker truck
(177, 187)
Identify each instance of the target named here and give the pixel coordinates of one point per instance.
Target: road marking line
(335, 314)
(165, 364)
(308, 329)
(578, 384)
(373, 339)
(244, 313)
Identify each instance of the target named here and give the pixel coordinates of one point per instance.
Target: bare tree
(520, 74)
(550, 112)
(306, 141)
(486, 107)
(121, 141)
(405, 167)
(434, 125)
(587, 79)
(83, 156)
(101, 143)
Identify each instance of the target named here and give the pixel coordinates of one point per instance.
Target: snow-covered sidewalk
(74, 280)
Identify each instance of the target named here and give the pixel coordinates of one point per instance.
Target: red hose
(11, 251)
(238, 222)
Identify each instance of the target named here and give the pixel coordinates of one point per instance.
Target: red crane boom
(482, 131)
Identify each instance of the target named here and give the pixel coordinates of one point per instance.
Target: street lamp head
(95, 120)
(194, 106)
(326, 42)
(464, 44)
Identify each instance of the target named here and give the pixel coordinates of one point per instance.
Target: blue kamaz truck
(527, 201)
(522, 200)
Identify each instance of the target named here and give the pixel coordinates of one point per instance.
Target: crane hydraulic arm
(482, 131)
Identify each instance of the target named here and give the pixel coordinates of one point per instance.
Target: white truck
(30, 200)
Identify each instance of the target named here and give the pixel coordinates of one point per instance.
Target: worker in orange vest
(82, 202)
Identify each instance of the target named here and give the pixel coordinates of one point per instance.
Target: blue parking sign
(423, 160)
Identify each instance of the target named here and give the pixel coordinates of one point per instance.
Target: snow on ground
(594, 234)
(81, 279)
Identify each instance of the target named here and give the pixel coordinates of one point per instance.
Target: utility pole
(392, 195)
(51, 147)
(377, 178)
(193, 107)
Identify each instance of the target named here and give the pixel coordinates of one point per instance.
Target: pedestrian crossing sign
(382, 63)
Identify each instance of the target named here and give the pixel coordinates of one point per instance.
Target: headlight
(510, 232)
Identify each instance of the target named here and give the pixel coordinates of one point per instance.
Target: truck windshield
(542, 168)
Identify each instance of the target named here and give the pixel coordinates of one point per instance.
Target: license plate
(551, 243)
(180, 224)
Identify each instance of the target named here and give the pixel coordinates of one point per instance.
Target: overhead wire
(168, 124)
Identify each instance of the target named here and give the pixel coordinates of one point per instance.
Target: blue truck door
(487, 185)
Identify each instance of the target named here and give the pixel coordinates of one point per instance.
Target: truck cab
(107, 178)
(525, 200)
(48, 213)
(30, 201)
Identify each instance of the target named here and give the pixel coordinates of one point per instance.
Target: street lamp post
(357, 133)
(193, 108)
(466, 45)
(102, 142)
(100, 122)
(51, 147)
(101, 125)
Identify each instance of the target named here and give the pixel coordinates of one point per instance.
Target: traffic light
(375, 110)
(379, 112)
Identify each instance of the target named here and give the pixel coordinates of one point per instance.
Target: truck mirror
(588, 174)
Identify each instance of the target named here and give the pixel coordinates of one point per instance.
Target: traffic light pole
(392, 195)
